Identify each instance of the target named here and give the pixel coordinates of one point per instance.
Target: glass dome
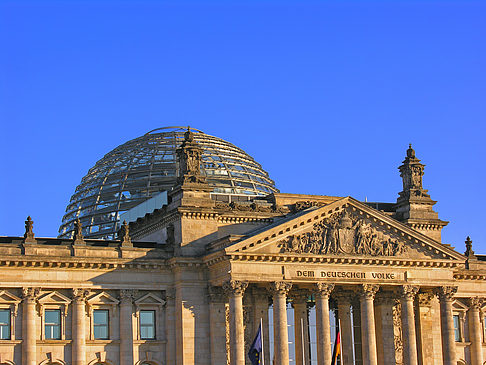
(143, 167)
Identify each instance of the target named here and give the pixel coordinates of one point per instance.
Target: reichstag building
(177, 245)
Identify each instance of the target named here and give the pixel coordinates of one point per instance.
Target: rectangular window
(147, 325)
(4, 324)
(457, 331)
(52, 324)
(101, 324)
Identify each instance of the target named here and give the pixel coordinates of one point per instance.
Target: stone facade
(190, 283)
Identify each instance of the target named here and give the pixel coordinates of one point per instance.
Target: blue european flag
(255, 353)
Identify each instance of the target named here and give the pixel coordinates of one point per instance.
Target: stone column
(368, 335)
(260, 305)
(409, 337)
(323, 327)
(446, 295)
(126, 326)
(385, 336)
(235, 290)
(217, 325)
(475, 335)
(299, 302)
(78, 330)
(344, 299)
(29, 350)
(280, 290)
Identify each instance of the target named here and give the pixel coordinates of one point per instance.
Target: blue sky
(326, 95)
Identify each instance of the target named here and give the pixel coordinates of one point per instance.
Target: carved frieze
(344, 233)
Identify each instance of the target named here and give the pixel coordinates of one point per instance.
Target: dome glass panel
(143, 167)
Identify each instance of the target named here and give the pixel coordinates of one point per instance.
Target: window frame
(107, 325)
(8, 325)
(60, 324)
(154, 324)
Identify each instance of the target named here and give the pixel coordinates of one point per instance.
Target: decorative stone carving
(475, 303)
(280, 287)
(323, 290)
(301, 205)
(343, 234)
(30, 293)
(80, 294)
(29, 232)
(189, 156)
(78, 233)
(397, 331)
(125, 235)
(446, 292)
(128, 295)
(425, 299)
(235, 287)
(409, 291)
(368, 291)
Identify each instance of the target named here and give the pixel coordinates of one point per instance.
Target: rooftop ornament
(29, 233)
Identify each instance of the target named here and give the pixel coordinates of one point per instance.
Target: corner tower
(414, 206)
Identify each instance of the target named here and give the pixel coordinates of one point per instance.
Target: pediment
(344, 228)
(149, 299)
(54, 298)
(8, 298)
(103, 298)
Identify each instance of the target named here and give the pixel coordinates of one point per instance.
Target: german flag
(337, 348)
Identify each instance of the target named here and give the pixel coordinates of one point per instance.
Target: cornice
(470, 275)
(74, 263)
(347, 260)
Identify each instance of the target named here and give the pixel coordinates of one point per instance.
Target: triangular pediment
(344, 228)
(103, 298)
(54, 298)
(8, 298)
(150, 299)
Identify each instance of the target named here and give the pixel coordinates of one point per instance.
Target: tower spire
(414, 205)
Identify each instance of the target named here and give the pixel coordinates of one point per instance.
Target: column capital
(408, 292)
(425, 298)
(323, 290)
(446, 293)
(280, 287)
(127, 295)
(80, 294)
(215, 294)
(30, 294)
(475, 303)
(368, 291)
(235, 287)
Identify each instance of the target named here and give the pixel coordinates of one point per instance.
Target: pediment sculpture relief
(344, 234)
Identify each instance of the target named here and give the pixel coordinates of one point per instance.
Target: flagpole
(303, 344)
(263, 346)
(341, 339)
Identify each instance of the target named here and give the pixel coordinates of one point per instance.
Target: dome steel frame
(145, 166)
